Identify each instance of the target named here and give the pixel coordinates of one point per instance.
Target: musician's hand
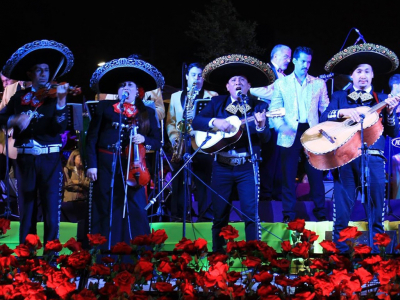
(260, 118)
(92, 174)
(223, 125)
(62, 91)
(22, 121)
(138, 139)
(392, 102)
(351, 113)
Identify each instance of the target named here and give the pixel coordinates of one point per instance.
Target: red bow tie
(129, 109)
(30, 99)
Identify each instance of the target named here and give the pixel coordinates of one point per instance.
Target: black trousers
(270, 169)
(40, 177)
(123, 227)
(290, 161)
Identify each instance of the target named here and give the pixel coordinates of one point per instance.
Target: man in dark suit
(37, 122)
(233, 164)
(362, 64)
(270, 167)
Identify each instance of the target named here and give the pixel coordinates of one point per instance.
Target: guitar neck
(249, 119)
(377, 107)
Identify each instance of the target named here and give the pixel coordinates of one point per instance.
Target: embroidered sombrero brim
(382, 59)
(59, 58)
(107, 77)
(221, 69)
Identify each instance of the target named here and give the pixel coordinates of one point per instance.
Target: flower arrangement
(191, 272)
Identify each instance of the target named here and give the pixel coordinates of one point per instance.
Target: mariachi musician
(362, 62)
(37, 119)
(119, 133)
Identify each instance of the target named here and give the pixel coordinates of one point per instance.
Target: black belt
(232, 161)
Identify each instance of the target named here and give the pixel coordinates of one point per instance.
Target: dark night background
(97, 32)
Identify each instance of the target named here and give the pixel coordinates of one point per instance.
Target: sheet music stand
(199, 104)
(91, 105)
(75, 117)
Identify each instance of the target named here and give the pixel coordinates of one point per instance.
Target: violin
(52, 90)
(137, 173)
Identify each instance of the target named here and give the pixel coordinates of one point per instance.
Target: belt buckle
(235, 161)
(36, 151)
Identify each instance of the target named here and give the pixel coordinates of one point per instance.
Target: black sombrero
(59, 58)
(107, 77)
(221, 69)
(382, 59)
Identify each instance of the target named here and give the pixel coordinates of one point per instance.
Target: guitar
(333, 144)
(219, 139)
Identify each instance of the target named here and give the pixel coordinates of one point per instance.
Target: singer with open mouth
(118, 136)
(234, 166)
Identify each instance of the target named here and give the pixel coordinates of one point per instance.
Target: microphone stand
(116, 153)
(254, 161)
(365, 181)
(187, 160)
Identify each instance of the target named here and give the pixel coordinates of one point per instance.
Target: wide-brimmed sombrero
(382, 59)
(107, 77)
(59, 58)
(221, 69)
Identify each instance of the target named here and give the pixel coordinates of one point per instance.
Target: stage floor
(272, 233)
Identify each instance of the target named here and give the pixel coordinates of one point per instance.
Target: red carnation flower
(99, 269)
(309, 236)
(158, 237)
(53, 246)
(96, 239)
(121, 248)
(251, 261)
(73, 245)
(297, 225)
(362, 249)
(4, 225)
(141, 240)
(264, 277)
(301, 249)
(229, 232)
(363, 275)
(22, 251)
(286, 246)
(382, 239)
(163, 287)
(350, 232)
(124, 281)
(329, 246)
(33, 241)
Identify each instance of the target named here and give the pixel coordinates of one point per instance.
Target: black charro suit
(225, 177)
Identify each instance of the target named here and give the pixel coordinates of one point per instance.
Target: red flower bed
(190, 272)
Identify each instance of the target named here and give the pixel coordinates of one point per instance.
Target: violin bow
(58, 69)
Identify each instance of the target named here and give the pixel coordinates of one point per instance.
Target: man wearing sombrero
(362, 62)
(233, 164)
(38, 121)
(118, 204)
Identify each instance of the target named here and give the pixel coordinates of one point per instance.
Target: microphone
(240, 95)
(124, 96)
(360, 36)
